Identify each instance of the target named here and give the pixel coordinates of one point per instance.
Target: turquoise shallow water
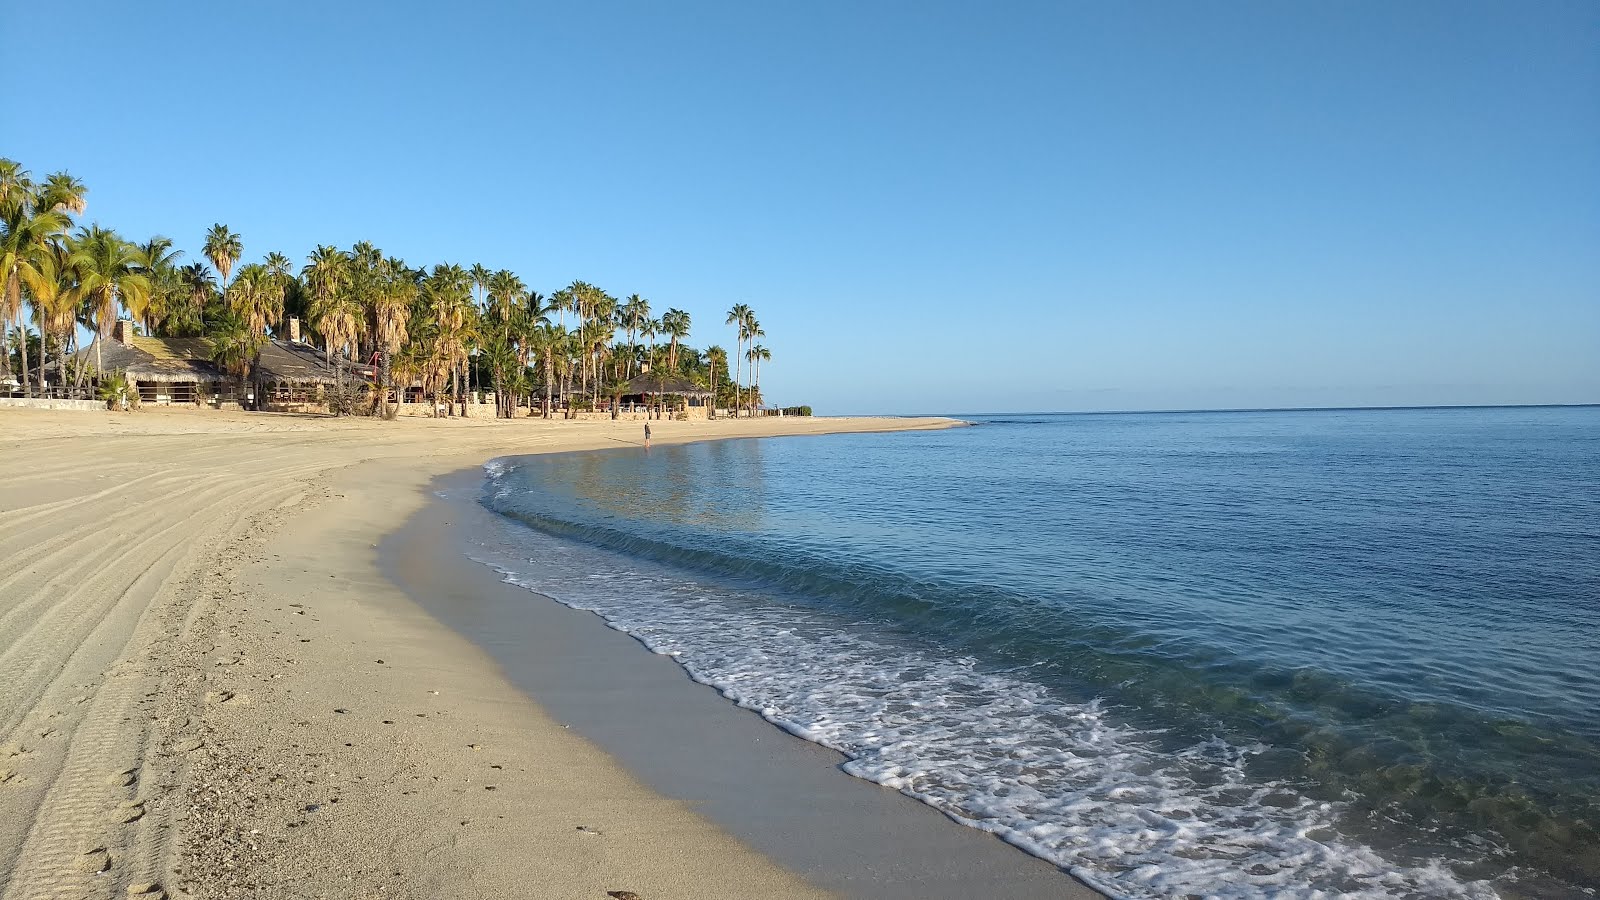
(1288, 653)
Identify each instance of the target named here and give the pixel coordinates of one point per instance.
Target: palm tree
(447, 294)
(158, 262)
(108, 271)
(63, 193)
(280, 271)
(16, 185)
(752, 330)
(634, 313)
(757, 353)
(327, 275)
(738, 316)
(366, 278)
(560, 302)
(675, 324)
(603, 319)
(593, 336)
(524, 330)
(393, 293)
(223, 248)
(480, 276)
(200, 286)
(53, 287)
(546, 340)
(27, 226)
(235, 346)
(506, 292)
(256, 296)
(714, 356)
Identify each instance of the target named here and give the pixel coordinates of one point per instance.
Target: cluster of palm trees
(742, 318)
(449, 330)
(59, 277)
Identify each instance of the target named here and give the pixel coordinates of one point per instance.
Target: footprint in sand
(130, 811)
(94, 861)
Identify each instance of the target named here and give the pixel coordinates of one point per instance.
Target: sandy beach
(213, 689)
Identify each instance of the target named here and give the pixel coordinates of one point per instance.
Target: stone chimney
(122, 331)
(294, 329)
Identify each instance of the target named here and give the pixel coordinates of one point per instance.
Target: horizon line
(1239, 409)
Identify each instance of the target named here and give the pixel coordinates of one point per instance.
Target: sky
(932, 207)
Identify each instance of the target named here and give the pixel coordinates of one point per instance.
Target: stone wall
(47, 403)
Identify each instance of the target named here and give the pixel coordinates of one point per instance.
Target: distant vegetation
(448, 328)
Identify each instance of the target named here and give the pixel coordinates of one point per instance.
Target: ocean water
(1289, 654)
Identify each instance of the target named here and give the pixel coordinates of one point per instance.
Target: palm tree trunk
(382, 406)
(22, 334)
(547, 386)
(78, 371)
(61, 365)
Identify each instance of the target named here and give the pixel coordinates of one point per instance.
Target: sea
(1297, 654)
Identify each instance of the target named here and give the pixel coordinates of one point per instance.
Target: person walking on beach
(647, 435)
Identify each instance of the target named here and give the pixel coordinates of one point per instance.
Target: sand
(210, 689)
(208, 686)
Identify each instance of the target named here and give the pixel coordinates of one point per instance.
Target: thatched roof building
(161, 360)
(659, 385)
(287, 363)
(179, 360)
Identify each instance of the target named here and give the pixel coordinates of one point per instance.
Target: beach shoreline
(783, 796)
(221, 694)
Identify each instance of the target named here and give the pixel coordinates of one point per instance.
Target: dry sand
(209, 689)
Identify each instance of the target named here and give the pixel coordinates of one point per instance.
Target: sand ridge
(170, 721)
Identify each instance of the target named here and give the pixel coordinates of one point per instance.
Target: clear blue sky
(932, 207)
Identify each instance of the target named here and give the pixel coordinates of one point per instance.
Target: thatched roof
(664, 384)
(302, 364)
(189, 359)
(169, 360)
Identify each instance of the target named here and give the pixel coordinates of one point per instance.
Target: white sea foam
(1060, 780)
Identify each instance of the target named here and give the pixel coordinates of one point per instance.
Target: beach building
(673, 392)
(290, 376)
(163, 370)
(294, 376)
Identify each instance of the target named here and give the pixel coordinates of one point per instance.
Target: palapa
(659, 385)
(177, 360)
(164, 360)
(288, 363)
